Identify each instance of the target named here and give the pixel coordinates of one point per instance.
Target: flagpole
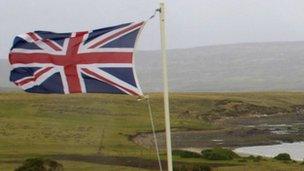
(166, 87)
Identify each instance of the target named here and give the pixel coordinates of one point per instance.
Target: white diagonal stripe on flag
(39, 80)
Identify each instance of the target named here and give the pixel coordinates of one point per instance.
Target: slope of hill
(235, 67)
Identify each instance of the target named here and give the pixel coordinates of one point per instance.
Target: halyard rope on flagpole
(154, 14)
(154, 133)
(147, 99)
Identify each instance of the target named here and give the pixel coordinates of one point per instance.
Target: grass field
(57, 126)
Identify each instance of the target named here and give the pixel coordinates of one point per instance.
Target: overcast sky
(190, 23)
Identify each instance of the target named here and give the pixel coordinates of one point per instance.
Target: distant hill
(235, 67)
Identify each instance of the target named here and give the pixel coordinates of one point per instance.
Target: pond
(295, 150)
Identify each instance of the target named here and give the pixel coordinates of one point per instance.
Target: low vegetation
(219, 154)
(255, 158)
(283, 157)
(209, 154)
(39, 164)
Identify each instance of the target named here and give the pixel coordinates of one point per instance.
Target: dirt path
(110, 160)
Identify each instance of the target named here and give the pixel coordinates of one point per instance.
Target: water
(295, 150)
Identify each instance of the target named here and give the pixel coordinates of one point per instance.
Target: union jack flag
(98, 61)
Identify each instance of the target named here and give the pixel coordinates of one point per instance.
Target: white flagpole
(166, 87)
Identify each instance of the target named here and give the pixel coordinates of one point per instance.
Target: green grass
(38, 125)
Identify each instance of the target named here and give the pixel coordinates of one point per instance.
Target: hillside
(94, 132)
(235, 67)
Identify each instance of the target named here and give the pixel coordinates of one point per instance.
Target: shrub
(257, 158)
(219, 154)
(251, 157)
(39, 164)
(283, 157)
(186, 154)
